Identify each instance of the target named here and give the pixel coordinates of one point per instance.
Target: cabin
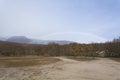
(101, 53)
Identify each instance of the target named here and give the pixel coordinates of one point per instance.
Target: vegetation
(79, 58)
(111, 49)
(116, 59)
(25, 61)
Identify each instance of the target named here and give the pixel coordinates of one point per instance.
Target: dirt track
(67, 69)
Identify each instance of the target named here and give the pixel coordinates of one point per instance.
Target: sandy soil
(67, 69)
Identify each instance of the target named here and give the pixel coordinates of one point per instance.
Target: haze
(82, 21)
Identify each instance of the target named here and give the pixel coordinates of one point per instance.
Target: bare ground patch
(66, 69)
(98, 69)
(26, 68)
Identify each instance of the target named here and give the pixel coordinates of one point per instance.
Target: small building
(101, 53)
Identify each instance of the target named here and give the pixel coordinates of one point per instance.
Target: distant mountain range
(19, 39)
(116, 40)
(2, 38)
(23, 39)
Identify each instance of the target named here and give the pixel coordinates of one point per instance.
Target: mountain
(45, 42)
(116, 40)
(19, 39)
(62, 42)
(23, 39)
(2, 39)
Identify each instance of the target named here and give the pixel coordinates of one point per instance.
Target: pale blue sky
(75, 20)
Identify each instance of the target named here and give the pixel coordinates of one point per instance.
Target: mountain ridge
(26, 40)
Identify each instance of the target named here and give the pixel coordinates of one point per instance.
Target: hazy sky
(74, 20)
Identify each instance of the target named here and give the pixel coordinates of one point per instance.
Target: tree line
(111, 49)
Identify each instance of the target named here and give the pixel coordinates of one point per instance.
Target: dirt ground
(66, 69)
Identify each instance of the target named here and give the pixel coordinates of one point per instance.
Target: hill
(23, 39)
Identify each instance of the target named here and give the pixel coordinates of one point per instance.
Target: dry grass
(25, 61)
(79, 58)
(116, 59)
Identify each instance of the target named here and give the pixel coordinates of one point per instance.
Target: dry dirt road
(67, 69)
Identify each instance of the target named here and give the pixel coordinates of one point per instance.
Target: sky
(83, 21)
